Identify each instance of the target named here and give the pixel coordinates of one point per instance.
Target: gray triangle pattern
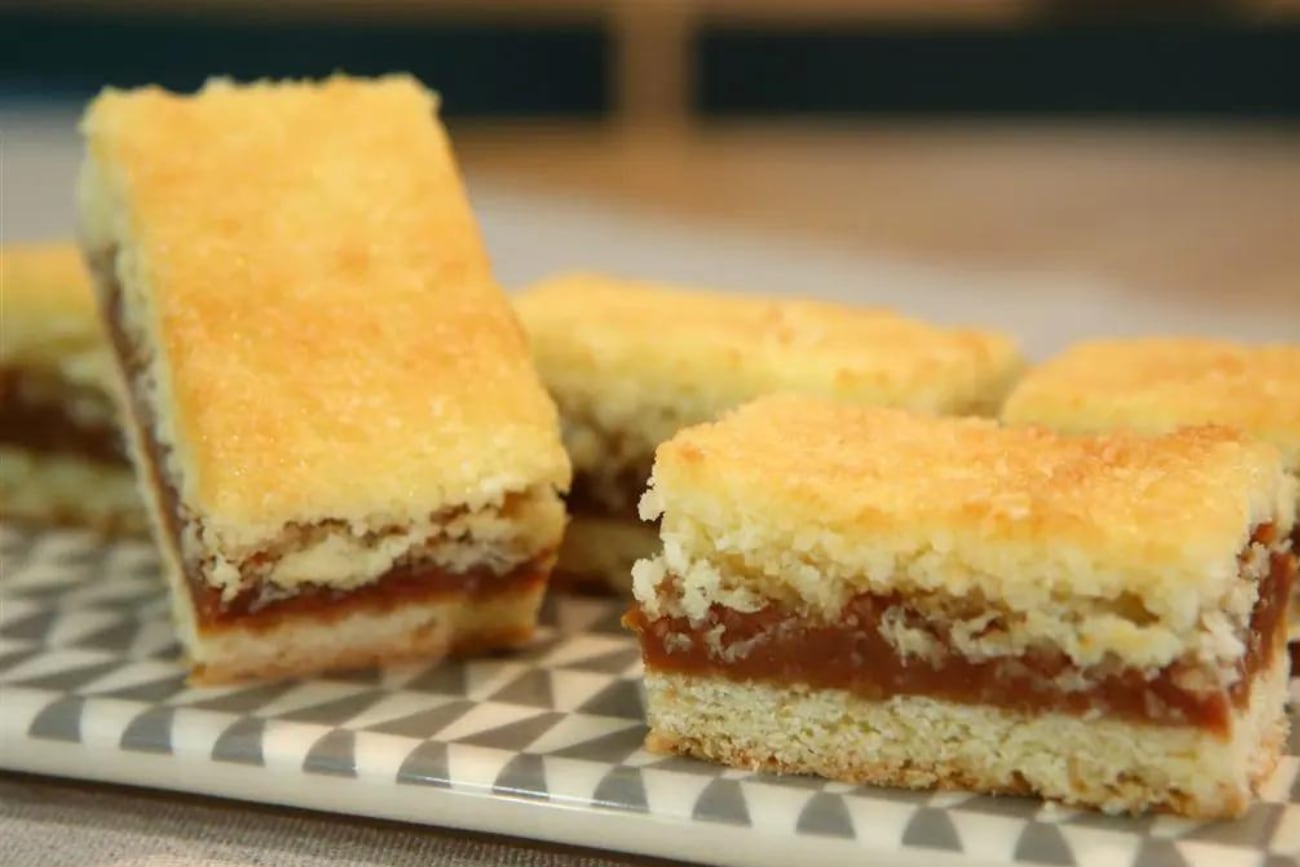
(150, 732)
(154, 692)
(530, 689)
(1159, 853)
(426, 765)
(826, 816)
(523, 777)
(612, 748)
(33, 627)
(335, 712)
(15, 658)
(333, 755)
(622, 789)
(59, 721)
(118, 637)
(622, 699)
(1259, 823)
(72, 679)
(241, 742)
(244, 701)
(129, 604)
(446, 679)
(932, 829)
(426, 723)
(515, 736)
(1040, 843)
(722, 801)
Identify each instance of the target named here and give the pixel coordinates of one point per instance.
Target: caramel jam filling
(259, 607)
(781, 647)
(48, 427)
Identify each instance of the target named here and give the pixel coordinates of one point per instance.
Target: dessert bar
(630, 363)
(346, 451)
(62, 460)
(883, 597)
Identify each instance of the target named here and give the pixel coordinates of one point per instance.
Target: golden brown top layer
(808, 493)
(619, 343)
(47, 312)
(1152, 385)
(303, 261)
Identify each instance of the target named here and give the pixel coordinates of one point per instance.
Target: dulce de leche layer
(49, 426)
(778, 646)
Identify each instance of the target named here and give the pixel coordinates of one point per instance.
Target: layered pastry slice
(347, 453)
(1154, 385)
(61, 457)
(882, 597)
(631, 363)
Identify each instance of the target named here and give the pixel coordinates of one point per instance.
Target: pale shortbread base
(305, 645)
(68, 490)
(917, 742)
(598, 553)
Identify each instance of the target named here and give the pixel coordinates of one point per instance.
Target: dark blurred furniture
(663, 61)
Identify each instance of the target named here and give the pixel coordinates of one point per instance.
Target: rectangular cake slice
(883, 597)
(1156, 384)
(62, 460)
(630, 363)
(348, 455)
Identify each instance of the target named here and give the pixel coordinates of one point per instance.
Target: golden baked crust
(49, 320)
(630, 363)
(737, 346)
(327, 340)
(796, 498)
(1155, 384)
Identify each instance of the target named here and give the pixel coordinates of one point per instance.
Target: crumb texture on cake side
(416, 371)
(918, 742)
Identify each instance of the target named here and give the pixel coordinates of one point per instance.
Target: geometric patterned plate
(543, 743)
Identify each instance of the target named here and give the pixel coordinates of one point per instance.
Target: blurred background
(1064, 167)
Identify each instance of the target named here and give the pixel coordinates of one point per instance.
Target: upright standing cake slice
(1156, 384)
(631, 363)
(62, 459)
(348, 455)
(877, 596)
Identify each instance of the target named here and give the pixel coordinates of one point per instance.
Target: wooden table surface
(1166, 209)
